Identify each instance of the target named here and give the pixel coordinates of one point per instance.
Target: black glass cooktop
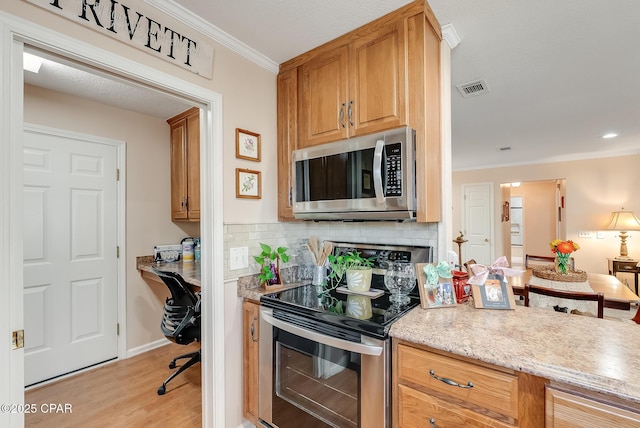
(334, 310)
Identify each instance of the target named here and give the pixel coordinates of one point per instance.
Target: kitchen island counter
(596, 354)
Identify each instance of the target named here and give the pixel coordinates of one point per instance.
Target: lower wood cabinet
(582, 409)
(437, 389)
(250, 360)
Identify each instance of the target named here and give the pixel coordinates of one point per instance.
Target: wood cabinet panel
(417, 409)
(568, 410)
(185, 165)
(323, 111)
(491, 389)
(377, 89)
(250, 360)
(287, 139)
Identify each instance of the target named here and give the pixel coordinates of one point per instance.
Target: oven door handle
(346, 345)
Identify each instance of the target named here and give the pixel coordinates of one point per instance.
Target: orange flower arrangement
(563, 250)
(563, 247)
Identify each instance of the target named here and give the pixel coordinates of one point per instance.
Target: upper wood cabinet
(380, 76)
(185, 165)
(355, 89)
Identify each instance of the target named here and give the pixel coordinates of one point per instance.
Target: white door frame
(15, 31)
(121, 185)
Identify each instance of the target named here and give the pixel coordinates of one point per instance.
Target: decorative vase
(562, 262)
(359, 280)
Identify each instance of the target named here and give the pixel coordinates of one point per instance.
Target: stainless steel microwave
(372, 177)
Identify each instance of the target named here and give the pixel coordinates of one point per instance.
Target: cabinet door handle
(186, 203)
(253, 329)
(449, 381)
(350, 112)
(342, 106)
(432, 423)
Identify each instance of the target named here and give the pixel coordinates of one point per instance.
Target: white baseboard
(147, 347)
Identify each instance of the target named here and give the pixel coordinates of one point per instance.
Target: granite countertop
(189, 271)
(249, 288)
(597, 354)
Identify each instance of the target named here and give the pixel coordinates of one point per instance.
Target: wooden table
(616, 294)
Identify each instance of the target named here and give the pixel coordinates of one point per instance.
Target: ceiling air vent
(472, 89)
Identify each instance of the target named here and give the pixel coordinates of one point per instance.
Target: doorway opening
(16, 34)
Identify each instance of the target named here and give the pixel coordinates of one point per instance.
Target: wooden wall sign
(141, 26)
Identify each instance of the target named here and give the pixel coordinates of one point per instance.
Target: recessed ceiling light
(610, 135)
(31, 62)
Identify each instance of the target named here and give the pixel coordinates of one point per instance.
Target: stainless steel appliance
(322, 365)
(372, 177)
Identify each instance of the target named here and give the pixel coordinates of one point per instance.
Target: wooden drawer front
(417, 409)
(492, 389)
(568, 410)
(627, 266)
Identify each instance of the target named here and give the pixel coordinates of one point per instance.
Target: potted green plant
(269, 261)
(357, 269)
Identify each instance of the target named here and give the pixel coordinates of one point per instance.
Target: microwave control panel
(393, 169)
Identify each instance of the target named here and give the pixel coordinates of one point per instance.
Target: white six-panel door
(478, 222)
(70, 260)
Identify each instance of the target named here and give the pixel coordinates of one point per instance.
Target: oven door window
(314, 385)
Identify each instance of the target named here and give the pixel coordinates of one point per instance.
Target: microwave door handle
(377, 172)
(346, 345)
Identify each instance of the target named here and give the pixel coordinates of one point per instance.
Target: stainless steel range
(322, 365)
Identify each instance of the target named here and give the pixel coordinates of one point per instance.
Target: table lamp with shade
(623, 221)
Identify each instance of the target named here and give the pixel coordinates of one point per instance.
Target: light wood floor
(124, 394)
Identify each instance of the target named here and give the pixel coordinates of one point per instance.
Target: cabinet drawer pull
(253, 329)
(449, 381)
(342, 123)
(432, 423)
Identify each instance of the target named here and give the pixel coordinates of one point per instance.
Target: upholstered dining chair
(180, 321)
(562, 294)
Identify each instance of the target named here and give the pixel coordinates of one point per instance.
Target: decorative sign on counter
(136, 24)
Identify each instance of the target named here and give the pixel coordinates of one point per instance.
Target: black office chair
(180, 321)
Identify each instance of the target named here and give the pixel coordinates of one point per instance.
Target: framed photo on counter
(494, 294)
(438, 295)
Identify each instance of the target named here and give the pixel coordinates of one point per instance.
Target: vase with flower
(562, 250)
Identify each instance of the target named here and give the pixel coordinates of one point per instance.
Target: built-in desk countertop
(189, 271)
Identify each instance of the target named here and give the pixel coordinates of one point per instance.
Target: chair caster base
(161, 390)
(172, 365)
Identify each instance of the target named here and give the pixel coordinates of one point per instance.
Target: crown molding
(450, 35)
(196, 22)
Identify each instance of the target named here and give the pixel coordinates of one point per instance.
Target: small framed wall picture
(247, 145)
(248, 184)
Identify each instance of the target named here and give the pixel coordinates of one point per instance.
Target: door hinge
(118, 329)
(118, 252)
(17, 339)
(118, 174)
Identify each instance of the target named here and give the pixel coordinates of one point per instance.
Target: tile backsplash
(294, 235)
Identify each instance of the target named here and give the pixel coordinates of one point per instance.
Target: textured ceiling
(560, 74)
